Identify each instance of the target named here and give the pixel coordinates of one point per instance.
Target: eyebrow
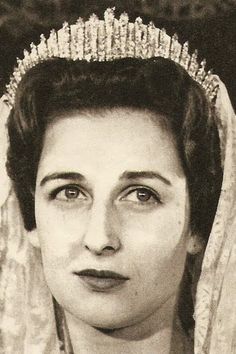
(144, 174)
(62, 175)
(125, 175)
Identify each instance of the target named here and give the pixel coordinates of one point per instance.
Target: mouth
(101, 280)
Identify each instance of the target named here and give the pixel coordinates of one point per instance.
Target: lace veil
(27, 321)
(215, 311)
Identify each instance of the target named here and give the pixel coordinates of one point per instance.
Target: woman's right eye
(69, 194)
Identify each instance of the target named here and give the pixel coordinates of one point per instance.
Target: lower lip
(101, 284)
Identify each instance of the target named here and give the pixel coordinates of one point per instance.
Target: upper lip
(101, 274)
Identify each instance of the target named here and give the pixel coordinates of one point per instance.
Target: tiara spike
(94, 21)
(151, 40)
(26, 61)
(79, 39)
(161, 50)
(116, 52)
(144, 42)
(131, 41)
(21, 67)
(201, 73)
(193, 65)
(138, 36)
(124, 19)
(42, 48)
(212, 92)
(34, 55)
(101, 41)
(109, 19)
(17, 75)
(162, 44)
(175, 48)
(157, 45)
(10, 93)
(64, 41)
(67, 39)
(109, 39)
(213, 86)
(207, 80)
(73, 35)
(166, 43)
(52, 44)
(87, 43)
(185, 56)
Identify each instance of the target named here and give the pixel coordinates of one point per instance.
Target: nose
(102, 233)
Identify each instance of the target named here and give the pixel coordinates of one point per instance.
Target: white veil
(215, 311)
(27, 320)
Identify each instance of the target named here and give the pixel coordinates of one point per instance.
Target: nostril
(109, 248)
(106, 248)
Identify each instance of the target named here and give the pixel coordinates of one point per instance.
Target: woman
(114, 155)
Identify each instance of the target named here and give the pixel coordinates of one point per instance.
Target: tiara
(110, 39)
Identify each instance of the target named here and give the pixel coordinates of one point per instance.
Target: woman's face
(112, 215)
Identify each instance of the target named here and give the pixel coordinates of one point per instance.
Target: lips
(101, 280)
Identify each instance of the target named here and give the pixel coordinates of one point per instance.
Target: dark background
(209, 26)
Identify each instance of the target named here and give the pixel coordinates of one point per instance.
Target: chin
(103, 319)
(107, 322)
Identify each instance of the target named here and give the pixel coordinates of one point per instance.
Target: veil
(215, 311)
(27, 319)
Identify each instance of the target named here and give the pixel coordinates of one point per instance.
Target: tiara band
(110, 39)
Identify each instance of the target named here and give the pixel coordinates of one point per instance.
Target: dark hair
(156, 84)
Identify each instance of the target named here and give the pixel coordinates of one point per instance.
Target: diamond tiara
(110, 39)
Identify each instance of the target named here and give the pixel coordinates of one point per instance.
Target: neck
(152, 335)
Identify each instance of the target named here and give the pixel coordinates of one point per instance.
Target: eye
(142, 195)
(68, 193)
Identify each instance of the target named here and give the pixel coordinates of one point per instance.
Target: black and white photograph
(117, 177)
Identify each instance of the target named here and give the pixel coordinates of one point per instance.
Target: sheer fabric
(27, 319)
(215, 311)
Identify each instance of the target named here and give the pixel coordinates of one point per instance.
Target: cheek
(60, 234)
(156, 242)
(163, 228)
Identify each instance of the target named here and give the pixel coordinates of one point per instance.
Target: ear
(33, 238)
(195, 244)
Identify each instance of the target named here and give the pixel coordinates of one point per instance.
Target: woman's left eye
(142, 195)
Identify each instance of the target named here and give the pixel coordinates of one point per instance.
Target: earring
(195, 244)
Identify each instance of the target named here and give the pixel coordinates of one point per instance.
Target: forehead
(109, 139)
